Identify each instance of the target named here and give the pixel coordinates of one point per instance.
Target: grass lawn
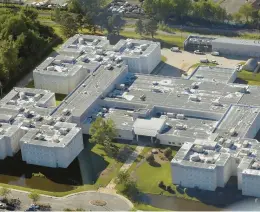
(247, 77)
(144, 207)
(166, 40)
(148, 176)
(202, 64)
(164, 58)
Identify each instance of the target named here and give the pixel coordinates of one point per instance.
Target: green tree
(139, 27)
(102, 131)
(5, 192)
(9, 60)
(151, 27)
(117, 23)
(167, 152)
(182, 8)
(123, 177)
(246, 10)
(130, 189)
(34, 197)
(69, 26)
(150, 158)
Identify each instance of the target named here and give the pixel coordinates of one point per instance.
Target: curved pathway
(82, 200)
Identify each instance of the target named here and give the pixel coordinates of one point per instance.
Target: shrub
(150, 158)
(167, 152)
(122, 177)
(34, 197)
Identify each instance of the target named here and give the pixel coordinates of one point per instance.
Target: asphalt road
(82, 200)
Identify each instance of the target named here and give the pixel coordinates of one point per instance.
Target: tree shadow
(155, 164)
(240, 81)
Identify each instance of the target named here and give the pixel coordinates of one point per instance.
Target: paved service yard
(179, 62)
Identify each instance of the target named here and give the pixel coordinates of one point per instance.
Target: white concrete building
(82, 55)
(240, 47)
(52, 145)
(9, 140)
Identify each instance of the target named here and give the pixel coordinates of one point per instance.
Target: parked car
(198, 52)
(33, 208)
(175, 49)
(215, 53)
(3, 205)
(204, 60)
(214, 62)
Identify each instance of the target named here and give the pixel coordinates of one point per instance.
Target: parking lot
(178, 62)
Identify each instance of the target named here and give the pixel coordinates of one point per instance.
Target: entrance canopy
(148, 127)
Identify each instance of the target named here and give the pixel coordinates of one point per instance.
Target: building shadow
(221, 198)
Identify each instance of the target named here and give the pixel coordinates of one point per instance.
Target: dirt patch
(160, 158)
(98, 202)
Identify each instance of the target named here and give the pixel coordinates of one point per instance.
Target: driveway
(184, 60)
(82, 200)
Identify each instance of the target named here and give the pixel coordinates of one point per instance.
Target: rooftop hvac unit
(197, 148)
(144, 47)
(181, 127)
(129, 44)
(49, 120)
(245, 144)
(221, 141)
(50, 68)
(21, 109)
(137, 51)
(99, 51)
(56, 62)
(105, 110)
(38, 118)
(155, 83)
(66, 112)
(157, 90)
(12, 102)
(244, 90)
(171, 115)
(26, 123)
(195, 158)
(195, 85)
(98, 58)
(228, 143)
(95, 42)
(199, 76)
(194, 98)
(120, 86)
(255, 165)
(63, 131)
(81, 41)
(118, 59)
(210, 160)
(216, 102)
(22, 95)
(61, 119)
(37, 97)
(143, 97)
(109, 66)
(233, 132)
(180, 116)
(56, 140)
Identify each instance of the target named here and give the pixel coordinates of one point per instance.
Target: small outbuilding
(251, 65)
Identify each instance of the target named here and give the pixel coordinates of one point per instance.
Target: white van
(215, 53)
(204, 60)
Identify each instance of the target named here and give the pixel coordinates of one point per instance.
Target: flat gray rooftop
(212, 74)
